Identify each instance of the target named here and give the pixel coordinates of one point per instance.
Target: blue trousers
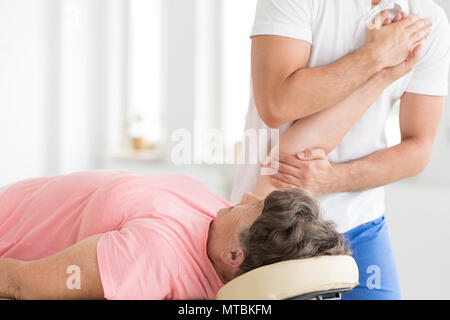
(372, 251)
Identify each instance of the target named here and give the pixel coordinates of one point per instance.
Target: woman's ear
(234, 257)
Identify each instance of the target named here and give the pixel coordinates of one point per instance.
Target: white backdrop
(61, 97)
(53, 57)
(418, 215)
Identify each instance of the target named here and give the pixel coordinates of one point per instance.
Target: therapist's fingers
(290, 159)
(421, 34)
(418, 26)
(287, 169)
(415, 56)
(282, 185)
(312, 154)
(287, 179)
(410, 20)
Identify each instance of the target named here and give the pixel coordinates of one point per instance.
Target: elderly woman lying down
(132, 236)
(120, 235)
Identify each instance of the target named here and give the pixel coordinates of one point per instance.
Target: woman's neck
(209, 252)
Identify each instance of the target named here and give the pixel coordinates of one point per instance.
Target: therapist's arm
(48, 278)
(420, 116)
(286, 90)
(324, 130)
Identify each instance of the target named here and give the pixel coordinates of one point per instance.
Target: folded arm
(51, 278)
(324, 130)
(286, 90)
(419, 121)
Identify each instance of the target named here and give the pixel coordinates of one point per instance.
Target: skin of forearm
(8, 284)
(324, 130)
(308, 90)
(46, 278)
(383, 167)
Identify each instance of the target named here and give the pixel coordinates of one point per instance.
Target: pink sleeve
(136, 262)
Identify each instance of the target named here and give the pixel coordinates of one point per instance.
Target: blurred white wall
(190, 87)
(62, 74)
(52, 91)
(22, 90)
(418, 215)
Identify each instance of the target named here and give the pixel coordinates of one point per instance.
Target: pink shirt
(154, 228)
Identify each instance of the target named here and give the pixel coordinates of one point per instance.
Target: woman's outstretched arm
(70, 274)
(324, 130)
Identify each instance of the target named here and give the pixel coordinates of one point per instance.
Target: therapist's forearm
(324, 130)
(311, 90)
(405, 160)
(285, 89)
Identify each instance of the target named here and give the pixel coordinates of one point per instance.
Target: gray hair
(290, 227)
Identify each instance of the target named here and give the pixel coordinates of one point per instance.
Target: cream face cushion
(293, 278)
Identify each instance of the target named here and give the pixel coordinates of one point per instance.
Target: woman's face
(230, 221)
(223, 246)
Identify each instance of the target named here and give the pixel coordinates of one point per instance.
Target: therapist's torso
(336, 29)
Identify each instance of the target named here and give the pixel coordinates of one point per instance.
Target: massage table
(318, 278)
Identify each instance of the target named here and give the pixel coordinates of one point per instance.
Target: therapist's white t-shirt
(336, 28)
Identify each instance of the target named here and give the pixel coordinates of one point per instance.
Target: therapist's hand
(309, 170)
(392, 41)
(395, 73)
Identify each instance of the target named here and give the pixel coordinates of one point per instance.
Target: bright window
(238, 17)
(144, 70)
